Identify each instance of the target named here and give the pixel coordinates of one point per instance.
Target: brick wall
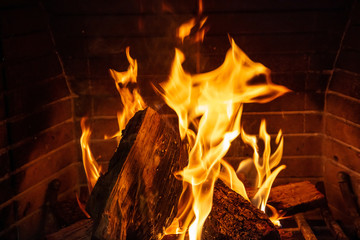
(341, 117)
(37, 141)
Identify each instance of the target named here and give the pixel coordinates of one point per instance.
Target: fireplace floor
(305, 227)
(302, 226)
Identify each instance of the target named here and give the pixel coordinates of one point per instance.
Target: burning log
(138, 196)
(233, 217)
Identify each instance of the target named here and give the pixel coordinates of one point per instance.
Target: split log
(296, 197)
(138, 196)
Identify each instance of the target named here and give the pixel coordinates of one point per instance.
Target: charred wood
(296, 197)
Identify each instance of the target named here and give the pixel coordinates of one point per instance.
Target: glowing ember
(92, 169)
(209, 107)
(130, 96)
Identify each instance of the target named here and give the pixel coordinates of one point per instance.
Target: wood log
(233, 217)
(305, 229)
(350, 200)
(138, 196)
(296, 197)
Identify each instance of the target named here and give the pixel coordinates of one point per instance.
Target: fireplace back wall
(311, 47)
(37, 129)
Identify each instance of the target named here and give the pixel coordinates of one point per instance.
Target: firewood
(233, 217)
(137, 198)
(305, 229)
(350, 200)
(296, 197)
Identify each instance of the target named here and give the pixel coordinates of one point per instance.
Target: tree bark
(233, 217)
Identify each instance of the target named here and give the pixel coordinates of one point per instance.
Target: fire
(92, 169)
(132, 102)
(264, 165)
(130, 95)
(209, 108)
(185, 29)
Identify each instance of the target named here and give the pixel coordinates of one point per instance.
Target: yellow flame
(131, 98)
(92, 169)
(132, 102)
(276, 216)
(264, 164)
(209, 108)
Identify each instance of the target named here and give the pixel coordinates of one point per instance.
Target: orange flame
(276, 216)
(209, 108)
(185, 29)
(92, 169)
(131, 99)
(132, 102)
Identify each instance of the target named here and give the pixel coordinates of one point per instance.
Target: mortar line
(53, 176)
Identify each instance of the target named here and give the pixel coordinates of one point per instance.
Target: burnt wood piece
(328, 218)
(331, 223)
(350, 200)
(305, 229)
(296, 197)
(138, 196)
(80, 230)
(232, 217)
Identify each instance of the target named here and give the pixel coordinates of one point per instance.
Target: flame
(92, 169)
(82, 206)
(209, 108)
(132, 102)
(276, 216)
(264, 165)
(130, 95)
(185, 29)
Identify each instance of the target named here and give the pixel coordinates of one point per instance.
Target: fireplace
(55, 65)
